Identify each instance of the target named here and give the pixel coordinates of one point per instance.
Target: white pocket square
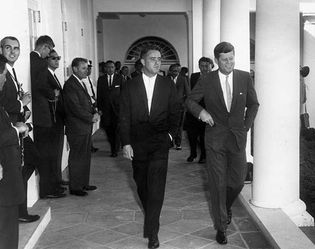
(241, 93)
(117, 85)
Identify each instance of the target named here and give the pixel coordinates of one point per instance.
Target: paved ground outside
(110, 217)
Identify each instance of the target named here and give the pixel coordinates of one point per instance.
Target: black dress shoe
(229, 216)
(89, 188)
(55, 195)
(93, 149)
(190, 159)
(61, 189)
(202, 160)
(78, 192)
(113, 155)
(29, 218)
(221, 237)
(153, 242)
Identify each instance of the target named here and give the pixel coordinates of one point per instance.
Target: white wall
(120, 34)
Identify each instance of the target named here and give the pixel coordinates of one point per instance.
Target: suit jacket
(108, 99)
(9, 100)
(244, 107)
(182, 89)
(136, 123)
(78, 108)
(11, 185)
(192, 123)
(56, 108)
(41, 91)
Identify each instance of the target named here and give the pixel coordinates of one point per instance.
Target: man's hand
(1, 172)
(27, 115)
(206, 117)
(57, 92)
(96, 117)
(128, 152)
(21, 127)
(26, 99)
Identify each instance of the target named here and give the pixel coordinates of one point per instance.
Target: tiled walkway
(110, 218)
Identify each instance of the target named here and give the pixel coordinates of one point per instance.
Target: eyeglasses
(55, 58)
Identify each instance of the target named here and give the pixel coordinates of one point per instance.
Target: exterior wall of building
(120, 34)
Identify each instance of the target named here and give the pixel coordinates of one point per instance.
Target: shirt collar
(147, 78)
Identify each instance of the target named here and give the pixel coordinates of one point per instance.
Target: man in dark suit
(80, 116)
(194, 127)
(149, 118)
(182, 89)
(42, 96)
(125, 73)
(12, 191)
(230, 108)
(108, 94)
(58, 118)
(15, 101)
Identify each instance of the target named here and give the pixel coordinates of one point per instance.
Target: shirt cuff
(21, 108)
(170, 137)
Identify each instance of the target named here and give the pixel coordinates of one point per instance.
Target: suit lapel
(235, 88)
(80, 86)
(218, 88)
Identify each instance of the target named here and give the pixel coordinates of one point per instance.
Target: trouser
(43, 137)
(31, 159)
(226, 168)
(149, 172)
(179, 131)
(9, 227)
(79, 161)
(193, 135)
(113, 137)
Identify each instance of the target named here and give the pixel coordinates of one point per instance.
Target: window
(168, 52)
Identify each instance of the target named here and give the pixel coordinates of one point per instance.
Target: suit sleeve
(74, 106)
(193, 99)
(100, 93)
(125, 115)
(251, 104)
(9, 101)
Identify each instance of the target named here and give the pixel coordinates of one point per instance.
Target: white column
(196, 32)
(235, 29)
(211, 26)
(309, 60)
(276, 159)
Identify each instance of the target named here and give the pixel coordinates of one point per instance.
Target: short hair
(52, 51)
(124, 67)
(148, 48)
(207, 60)
(173, 66)
(304, 71)
(109, 62)
(77, 61)
(44, 39)
(223, 47)
(9, 38)
(184, 70)
(3, 62)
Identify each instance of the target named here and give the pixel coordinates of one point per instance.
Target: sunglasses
(55, 58)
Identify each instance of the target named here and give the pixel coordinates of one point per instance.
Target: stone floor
(110, 217)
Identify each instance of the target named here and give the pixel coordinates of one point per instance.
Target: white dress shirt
(223, 87)
(149, 84)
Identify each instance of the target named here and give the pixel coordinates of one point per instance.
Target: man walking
(230, 108)
(149, 119)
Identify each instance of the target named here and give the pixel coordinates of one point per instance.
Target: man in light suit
(230, 108)
(149, 117)
(108, 94)
(182, 89)
(80, 116)
(12, 191)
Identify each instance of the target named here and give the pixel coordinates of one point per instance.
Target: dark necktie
(110, 81)
(57, 80)
(84, 86)
(16, 81)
